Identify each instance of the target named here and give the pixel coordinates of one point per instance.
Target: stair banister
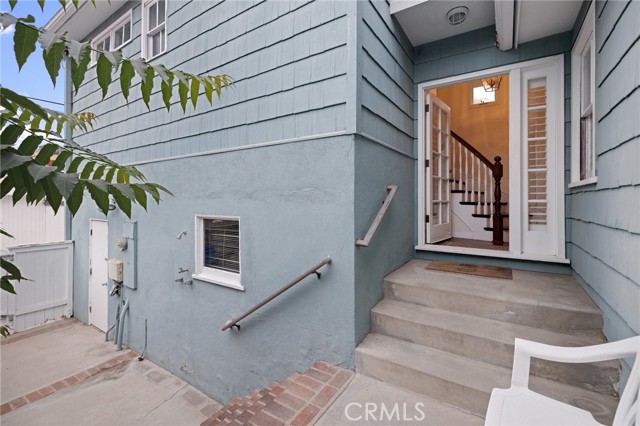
(497, 172)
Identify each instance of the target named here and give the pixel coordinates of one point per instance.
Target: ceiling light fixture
(457, 15)
(491, 84)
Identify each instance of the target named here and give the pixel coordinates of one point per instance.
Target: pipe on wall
(121, 326)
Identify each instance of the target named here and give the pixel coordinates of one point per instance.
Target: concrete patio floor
(64, 373)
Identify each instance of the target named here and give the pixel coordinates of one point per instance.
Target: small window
(154, 40)
(583, 156)
(218, 250)
(115, 37)
(481, 96)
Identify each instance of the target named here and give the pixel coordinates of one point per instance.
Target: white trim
(145, 33)
(109, 31)
(90, 268)
(491, 253)
(584, 182)
(585, 36)
(213, 275)
(515, 153)
(505, 10)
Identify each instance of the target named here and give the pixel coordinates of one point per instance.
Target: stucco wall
(605, 225)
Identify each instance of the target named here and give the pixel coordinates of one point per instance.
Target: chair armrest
(525, 349)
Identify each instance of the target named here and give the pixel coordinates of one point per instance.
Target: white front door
(437, 165)
(98, 274)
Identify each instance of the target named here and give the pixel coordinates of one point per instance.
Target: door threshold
(492, 253)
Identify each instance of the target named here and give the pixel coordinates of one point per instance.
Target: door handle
(104, 284)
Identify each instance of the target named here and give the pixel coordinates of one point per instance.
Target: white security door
(437, 165)
(98, 274)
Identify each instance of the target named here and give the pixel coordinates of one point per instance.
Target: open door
(98, 292)
(437, 166)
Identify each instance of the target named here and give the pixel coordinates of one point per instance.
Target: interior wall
(485, 126)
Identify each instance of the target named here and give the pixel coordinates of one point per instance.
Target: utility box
(115, 270)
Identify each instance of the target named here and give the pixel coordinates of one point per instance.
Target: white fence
(30, 224)
(49, 293)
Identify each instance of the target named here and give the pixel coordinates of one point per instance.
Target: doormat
(467, 268)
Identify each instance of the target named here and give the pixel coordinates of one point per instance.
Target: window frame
(145, 33)
(213, 275)
(493, 102)
(585, 42)
(110, 32)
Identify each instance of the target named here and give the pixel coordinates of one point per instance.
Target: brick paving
(297, 401)
(66, 382)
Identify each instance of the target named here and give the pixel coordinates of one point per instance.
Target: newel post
(498, 239)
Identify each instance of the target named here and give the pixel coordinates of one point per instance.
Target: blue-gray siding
(605, 224)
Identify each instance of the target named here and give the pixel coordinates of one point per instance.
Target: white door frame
(89, 286)
(515, 157)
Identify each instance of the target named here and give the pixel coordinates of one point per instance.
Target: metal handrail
(364, 242)
(312, 270)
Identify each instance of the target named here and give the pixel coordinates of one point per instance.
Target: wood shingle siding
(289, 62)
(604, 220)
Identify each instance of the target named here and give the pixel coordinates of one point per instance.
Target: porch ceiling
(425, 21)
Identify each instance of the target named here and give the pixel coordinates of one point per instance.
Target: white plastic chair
(520, 406)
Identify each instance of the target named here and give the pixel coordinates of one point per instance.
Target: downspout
(121, 325)
(68, 109)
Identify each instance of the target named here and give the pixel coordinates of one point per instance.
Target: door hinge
(90, 271)
(426, 218)
(91, 232)
(427, 107)
(426, 163)
(89, 308)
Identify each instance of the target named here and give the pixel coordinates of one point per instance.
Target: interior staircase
(450, 337)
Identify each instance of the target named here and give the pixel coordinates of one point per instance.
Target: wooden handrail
(312, 270)
(473, 150)
(364, 242)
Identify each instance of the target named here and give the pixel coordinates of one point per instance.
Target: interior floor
(477, 244)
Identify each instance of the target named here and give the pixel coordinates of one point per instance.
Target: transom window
(154, 40)
(481, 96)
(583, 155)
(218, 250)
(115, 37)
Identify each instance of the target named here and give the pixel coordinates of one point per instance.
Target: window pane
(585, 80)
(222, 244)
(155, 43)
(127, 31)
(162, 11)
(163, 40)
(118, 37)
(481, 96)
(153, 17)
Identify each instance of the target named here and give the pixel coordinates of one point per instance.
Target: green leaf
(114, 56)
(86, 171)
(123, 202)
(208, 90)
(167, 92)
(54, 198)
(24, 42)
(41, 3)
(65, 183)
(63, 3)
(195, 90)
(140, 66)
(9, 160)
(79, 68)
(11, 134)
(76, 49)
(5, 233)
(75, 3)
(47, 38)
(75, 197)
(62, 159)
(103, 70)
(109, 176)
(11, 269)
(21, 101)
(151, 189)
(38, 171)
(147, 86)
(162, 72)
(183, 91)
(45, 154)
(141, 195)
(12, 3)
(99, 196)
(29, 145)
(99, 171)
(75, 163)
(6, 286)
(126, 75)
(53, 58)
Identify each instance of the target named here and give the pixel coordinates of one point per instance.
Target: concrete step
(490, 341)
(548, 301)
(460, 381)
